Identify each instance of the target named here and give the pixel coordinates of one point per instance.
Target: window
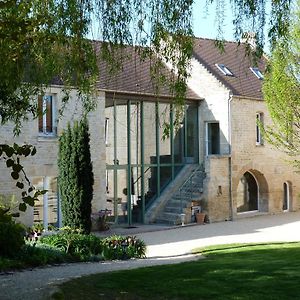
(212, 138)
(47, 122)
(259, 124)
(257, 73)
(224, 70)
(106, 130)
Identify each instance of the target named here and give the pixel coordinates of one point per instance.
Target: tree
(282, 92)
(76, 176)
(42, 41)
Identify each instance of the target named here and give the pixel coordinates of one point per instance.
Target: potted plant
(200, 214)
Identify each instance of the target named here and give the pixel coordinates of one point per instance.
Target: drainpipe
(229, 157)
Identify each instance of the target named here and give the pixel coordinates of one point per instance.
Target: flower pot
(200, 217)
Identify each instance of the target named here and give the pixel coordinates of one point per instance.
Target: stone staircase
(180, 201)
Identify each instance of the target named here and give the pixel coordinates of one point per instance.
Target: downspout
(229, 157)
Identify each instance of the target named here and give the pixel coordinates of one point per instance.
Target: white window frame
(224, 69)
(106, 130)
(257, 73)
(259, 118)
(44, 116)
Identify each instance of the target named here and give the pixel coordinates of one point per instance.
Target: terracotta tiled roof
(134, 76)
(243, 82)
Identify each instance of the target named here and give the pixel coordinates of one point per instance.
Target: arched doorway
(247, 193)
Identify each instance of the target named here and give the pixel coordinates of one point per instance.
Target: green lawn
(269, 271)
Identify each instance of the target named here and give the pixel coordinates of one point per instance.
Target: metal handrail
(190, 178)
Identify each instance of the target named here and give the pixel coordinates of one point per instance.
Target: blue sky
(204, 21)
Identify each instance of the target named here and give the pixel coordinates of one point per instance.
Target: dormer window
(224, 69)
(257, 73)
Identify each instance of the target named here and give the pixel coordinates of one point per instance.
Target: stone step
(168, 217)
(173, 209)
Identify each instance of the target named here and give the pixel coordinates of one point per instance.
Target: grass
(240, 271)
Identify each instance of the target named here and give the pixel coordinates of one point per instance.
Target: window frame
(257, 72)
(224, 69)
(106, 124)
(259, 138)
(43, 116)
(207, 124)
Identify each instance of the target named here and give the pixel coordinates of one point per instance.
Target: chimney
(249, 38)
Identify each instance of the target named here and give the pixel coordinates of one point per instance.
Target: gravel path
(167, 246)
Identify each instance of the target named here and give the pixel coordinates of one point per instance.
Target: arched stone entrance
(247, 194)
(251, 192)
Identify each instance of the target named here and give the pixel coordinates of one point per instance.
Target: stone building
(216, 159)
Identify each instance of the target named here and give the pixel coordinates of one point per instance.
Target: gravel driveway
(166, 246)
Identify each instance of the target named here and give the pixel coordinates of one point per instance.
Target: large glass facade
(141, 159)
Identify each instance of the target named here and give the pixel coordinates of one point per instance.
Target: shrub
(79, 246)
(118, 247)
(39, 255)
(86, 247)
(33, 255)
(11, 238)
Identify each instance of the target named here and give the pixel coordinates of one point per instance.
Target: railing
(190, 181)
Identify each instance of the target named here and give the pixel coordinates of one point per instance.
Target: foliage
(78, 246)
(43, 42)
(33, 255)
(269, 271)
(38, 255)
(282, 92)
(11, 155)
(76, 176)
(118, 247)
(11, 235)
(82, 247)
(72, 247)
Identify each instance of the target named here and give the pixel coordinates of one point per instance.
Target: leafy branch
(12, 154)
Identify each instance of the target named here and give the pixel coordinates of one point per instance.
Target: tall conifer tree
(76, 176)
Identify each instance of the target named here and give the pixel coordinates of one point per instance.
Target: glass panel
(164, 143)
(150, 184)
(149, 133)
(40, 110)
(136, 197)
(165, 176)
(121, 135)
(213, 138)
(49, 117)
(121, 196)
(179, 145)
(52, 202)
(285, 196)
(135, 133)
(110, 191)
(52, 208)
(109, 134)
(192, 139)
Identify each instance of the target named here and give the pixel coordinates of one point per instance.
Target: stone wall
(214, 108)
(268, 165)
(217, 188)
